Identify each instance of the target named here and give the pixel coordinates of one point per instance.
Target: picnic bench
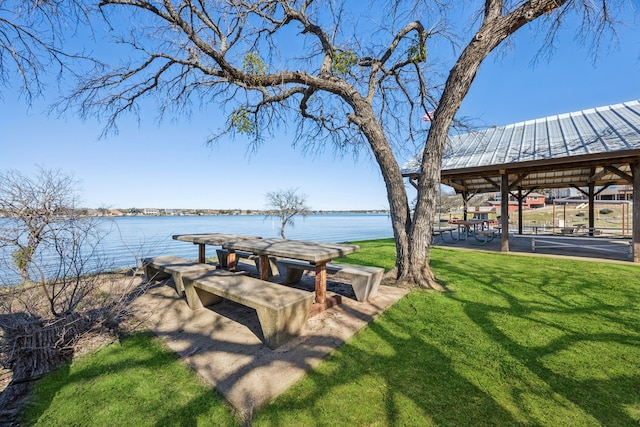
(487, 235)
(440, 232)
(282, 311)
(364, 279)
(163, 267)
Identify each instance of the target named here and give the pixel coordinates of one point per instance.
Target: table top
(469, 221)
(213, 239)
(444, 229)
(316, 252)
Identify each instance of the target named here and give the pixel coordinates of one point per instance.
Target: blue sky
(168, 165)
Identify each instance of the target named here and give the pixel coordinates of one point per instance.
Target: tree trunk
(397, 196)
(493, 31)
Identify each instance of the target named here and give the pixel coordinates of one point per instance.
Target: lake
(131, 238)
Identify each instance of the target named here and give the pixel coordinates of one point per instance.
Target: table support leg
(321, 283)
(322, 300)
(232, 260)
(264, 267)
(201, 253)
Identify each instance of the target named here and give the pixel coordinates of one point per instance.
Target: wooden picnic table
(467, 224)
(316, 253)
(213, 239)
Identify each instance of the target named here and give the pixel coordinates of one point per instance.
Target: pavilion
(589, 150)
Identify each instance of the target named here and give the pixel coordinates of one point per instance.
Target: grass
(135, 382)
(515, 341)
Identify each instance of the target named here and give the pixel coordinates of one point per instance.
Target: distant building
(616, 192)
(149, 211)
(530, 201)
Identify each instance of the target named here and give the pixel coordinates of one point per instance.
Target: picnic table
(316, 253)
(466, 225)
(213, 239)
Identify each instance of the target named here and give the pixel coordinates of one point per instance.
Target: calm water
(131, 238)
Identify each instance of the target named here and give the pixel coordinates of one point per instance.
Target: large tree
(355, 74)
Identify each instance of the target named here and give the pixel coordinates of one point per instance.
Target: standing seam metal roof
(607, 132)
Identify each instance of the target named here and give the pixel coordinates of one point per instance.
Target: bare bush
(64, 296)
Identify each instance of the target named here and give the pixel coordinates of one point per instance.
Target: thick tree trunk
(493, 31)
(413, 235)
(407, 272)
(365, 118)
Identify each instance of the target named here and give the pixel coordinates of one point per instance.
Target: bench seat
(439, 232)
(282, 311)
(364, 279)
(161, 267)
(487, 235)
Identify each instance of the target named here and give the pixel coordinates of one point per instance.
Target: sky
(168, 165)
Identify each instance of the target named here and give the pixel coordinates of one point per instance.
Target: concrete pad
(224, 344)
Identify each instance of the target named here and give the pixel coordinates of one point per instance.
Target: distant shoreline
(214, 212)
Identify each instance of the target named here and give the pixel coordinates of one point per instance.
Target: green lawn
(515, 341)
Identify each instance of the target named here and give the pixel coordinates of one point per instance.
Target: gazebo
(589, 150)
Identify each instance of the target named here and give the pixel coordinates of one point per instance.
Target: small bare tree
(285, 205)
(37, 210)
(63, 297)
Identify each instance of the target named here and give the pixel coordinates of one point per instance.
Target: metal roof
(572, 149)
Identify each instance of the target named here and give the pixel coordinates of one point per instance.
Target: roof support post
(635, 241)
(465, 199)
(520, 210)
(504, 210)
(592, 210)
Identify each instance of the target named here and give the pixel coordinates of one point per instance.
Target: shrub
(605, 211)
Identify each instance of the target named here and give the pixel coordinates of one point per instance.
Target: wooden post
(465, 206)
(504, 210)
(232, 260)
(635, 239)
(592, 209)
(264, 267)
(520, 210)
(201, 253)
(321, 283)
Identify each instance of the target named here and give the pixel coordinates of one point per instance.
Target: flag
(427, 117)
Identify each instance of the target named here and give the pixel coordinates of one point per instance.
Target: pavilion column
(592, 209)
(519, 210)
(635, 240)
(504, 210)
(465, 206)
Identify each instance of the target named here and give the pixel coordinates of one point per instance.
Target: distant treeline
(194, 212)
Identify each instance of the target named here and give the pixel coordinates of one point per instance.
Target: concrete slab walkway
(224, 344)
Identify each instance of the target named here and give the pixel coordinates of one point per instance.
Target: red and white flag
(427, 117)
